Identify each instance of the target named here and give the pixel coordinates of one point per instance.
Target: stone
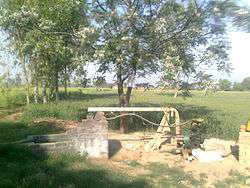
(223, 147)
(244, 148)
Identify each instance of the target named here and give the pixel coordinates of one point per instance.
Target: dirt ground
(127, 148)
(12, 117)
(123, 151)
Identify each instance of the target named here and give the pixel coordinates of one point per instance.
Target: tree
(205, 82)
(246, 83)
(99, 82)
(15, 20)
(229, 10)
(240, 15)
(225, 84)
(237, 86)
(140, 37)
(49, 38)
(80, 77)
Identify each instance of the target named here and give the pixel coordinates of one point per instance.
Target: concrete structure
(89, 137)
(244, 148)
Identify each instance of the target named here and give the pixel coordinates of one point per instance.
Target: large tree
(16, 20)
(139, 37)
(49, 38)
(245, 84)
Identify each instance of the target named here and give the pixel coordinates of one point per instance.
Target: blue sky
(239, 54)
(239, 57)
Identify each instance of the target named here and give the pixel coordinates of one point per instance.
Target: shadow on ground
(14, 131)
(19, 167)
(114, 147)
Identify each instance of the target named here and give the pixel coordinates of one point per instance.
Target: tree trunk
(128, 95)
(22, 61)
(206, 92)
(65, 81)
(65, 87)
(176, 93)
(56, 86)
(44, 91)
(36, 91)
(122, 103)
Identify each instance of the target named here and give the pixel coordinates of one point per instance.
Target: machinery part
(164, 128)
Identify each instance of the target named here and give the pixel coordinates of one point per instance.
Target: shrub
(11, 98)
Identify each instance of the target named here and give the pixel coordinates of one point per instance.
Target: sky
(239, 58)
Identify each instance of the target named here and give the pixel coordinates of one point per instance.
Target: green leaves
(127, 38)
(51, 35)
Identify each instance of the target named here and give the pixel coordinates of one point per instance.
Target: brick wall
(244, 148)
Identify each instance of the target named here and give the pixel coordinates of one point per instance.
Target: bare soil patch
(213, 171)
(61, 124)
(13, 117)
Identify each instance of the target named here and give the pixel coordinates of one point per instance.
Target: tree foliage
(225, 84)
(246, 83)
(53, 39)
(49, 36)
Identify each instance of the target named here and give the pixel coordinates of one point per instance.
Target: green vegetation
(20, 168)
(134, 164)
(225, 85)
(246, 83)
(12, 98)
(223, 112)
(235, 180)
(11, 131)
(166, 177)
(66, 111)
(51, 42)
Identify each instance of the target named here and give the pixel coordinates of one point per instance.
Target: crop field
(223, 113)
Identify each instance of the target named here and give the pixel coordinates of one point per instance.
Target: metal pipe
(126, 109)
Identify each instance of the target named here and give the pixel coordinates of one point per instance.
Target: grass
(163, 176)
(12, 98)
(19, 167)
(223, 112)
(14, 131)
(236, 180)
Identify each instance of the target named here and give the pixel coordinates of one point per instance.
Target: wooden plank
(126, 109)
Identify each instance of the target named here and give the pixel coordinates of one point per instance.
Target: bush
(11, 98)
(61, 110)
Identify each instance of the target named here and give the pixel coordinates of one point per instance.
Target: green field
(223, 113)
